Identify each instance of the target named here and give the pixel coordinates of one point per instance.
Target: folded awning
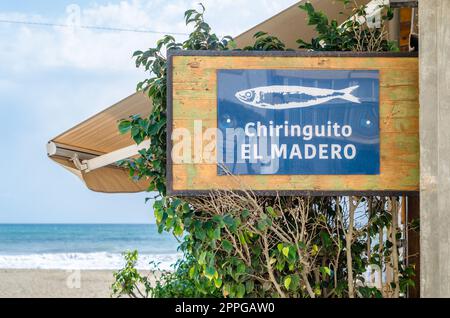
(91, 149)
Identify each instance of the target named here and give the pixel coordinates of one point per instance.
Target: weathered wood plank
(195, 91)
(199, 64)
(184, 108)
(187, 176)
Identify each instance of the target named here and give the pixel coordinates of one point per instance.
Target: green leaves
(291, 282)
(220, 269)
(218, 282)
(154, 129)
(326, 271)
(219, 220)
(201, 37)
(224, 253)
(240, 291)
(210, 273)
(274, 214)
(202, 258)
(216, 233)
(264, 223)
(227, 246)
(285, 251)
(124, 126)
(325, 239)
(316, 18)
(127, 277)
(152, 163)
(245, 214)
(178, 229)
(349, 36)
(287, 282)
(266, 42)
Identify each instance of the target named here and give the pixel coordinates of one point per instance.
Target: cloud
(71, 73)
(51, 78)
(233, 17)
(34, 47)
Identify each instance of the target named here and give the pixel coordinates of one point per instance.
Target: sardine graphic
(311, 96)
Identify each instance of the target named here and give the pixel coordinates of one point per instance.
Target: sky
(51, 78)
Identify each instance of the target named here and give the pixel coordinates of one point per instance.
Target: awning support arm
(95, 162)
(114, 156)
(76, 161)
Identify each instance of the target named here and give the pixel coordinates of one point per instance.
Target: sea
(84, 246)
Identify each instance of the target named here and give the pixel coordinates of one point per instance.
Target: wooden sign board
(366, 105)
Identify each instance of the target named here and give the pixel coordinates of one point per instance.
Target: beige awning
(97, 137)
(91, 148)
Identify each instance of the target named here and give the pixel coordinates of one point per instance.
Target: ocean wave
(84, 261)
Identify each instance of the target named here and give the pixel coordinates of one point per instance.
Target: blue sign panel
(311, 122)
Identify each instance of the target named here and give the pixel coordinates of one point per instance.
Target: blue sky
(52, 78)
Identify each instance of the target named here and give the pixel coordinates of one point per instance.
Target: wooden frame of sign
(192, 95)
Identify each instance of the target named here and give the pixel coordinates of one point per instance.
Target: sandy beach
(15, 283)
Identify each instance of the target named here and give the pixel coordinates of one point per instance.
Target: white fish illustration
(311, 96)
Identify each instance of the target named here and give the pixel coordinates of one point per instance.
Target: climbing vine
(243, 245)
(357, 33)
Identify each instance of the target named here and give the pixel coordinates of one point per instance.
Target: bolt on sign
(293, 122)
